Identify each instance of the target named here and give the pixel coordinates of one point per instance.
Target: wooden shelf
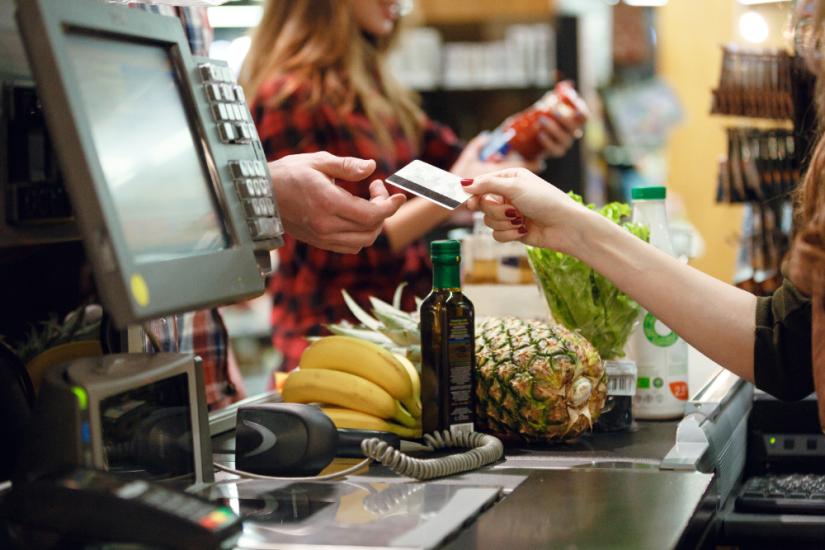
(439, 12)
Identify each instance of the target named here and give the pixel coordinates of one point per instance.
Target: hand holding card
(431, 183)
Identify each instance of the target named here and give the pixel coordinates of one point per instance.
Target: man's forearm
(412, 221)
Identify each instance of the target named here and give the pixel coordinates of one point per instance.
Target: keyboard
(783, 494)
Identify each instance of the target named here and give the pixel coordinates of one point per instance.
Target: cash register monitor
(160, 230)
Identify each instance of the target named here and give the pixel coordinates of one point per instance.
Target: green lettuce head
(583, 300)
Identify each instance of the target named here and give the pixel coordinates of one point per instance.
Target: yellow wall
(690, 34)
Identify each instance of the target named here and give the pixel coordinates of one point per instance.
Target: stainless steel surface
(642, 448)
(350, 514)
(713, 438)
(590, 508)
(603, 487)
(709, 400)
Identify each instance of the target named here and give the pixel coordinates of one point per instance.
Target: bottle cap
(445, 251)
(656, 192)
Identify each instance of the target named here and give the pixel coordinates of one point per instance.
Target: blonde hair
(317, 45)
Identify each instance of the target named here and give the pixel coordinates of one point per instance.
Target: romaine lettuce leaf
(583, 300)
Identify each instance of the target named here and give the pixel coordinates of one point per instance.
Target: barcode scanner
(291, 439)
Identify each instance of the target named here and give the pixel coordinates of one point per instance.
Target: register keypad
(228, 104)
(234, 124)
(256, 196)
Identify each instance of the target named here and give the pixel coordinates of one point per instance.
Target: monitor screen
(155, 175)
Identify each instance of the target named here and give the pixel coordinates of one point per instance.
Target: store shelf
(438, 12)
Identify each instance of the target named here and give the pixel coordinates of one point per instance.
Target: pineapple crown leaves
(388, 323)
(388, 326)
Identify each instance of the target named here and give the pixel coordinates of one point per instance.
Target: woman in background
(316, 80)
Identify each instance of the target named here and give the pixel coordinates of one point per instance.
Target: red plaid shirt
(307, 286)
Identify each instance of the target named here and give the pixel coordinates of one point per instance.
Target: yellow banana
(361, 358)
(345, 390)
(357, 420)
(413, 401)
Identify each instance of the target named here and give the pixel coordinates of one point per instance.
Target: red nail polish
(511, 213)
(517, 221)
(522, 230)
(466, 181)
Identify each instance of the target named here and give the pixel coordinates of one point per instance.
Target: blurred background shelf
(440, 12)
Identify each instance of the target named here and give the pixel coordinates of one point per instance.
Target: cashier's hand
(318, 212)
(520, 206)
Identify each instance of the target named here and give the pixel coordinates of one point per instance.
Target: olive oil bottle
(447, 346)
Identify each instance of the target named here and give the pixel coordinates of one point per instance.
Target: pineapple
(536, 380)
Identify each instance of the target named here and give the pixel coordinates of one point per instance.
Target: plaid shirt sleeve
(439, 145)
(201, 333)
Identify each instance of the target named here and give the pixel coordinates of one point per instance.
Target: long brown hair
(318, 45)
(811, 195)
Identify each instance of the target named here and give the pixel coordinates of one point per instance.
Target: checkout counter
(632, 489)
(659, 485)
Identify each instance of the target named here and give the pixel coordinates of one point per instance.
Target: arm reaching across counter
(716, 318)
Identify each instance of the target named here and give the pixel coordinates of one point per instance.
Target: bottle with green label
(660, 354)
(447, 346)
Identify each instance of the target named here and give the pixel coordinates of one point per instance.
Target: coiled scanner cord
(484, 449)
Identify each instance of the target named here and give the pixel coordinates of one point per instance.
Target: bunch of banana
(361, 384)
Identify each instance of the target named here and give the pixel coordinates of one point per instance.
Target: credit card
(434, 184)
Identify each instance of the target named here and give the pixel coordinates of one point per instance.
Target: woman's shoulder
(282, 89)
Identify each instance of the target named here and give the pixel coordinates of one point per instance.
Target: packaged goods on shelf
(524, 57)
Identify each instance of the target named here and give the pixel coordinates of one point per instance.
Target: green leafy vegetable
(583, 300)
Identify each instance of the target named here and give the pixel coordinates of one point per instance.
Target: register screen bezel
(131, 292)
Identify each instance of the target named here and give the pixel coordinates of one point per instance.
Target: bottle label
(679, 390)
(657, 333)
(460, 358)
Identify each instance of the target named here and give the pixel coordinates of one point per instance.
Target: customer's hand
(318, 212)
(558, 132)
(520, 206)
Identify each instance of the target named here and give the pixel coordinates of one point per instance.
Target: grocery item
(660, 354)
(519, 133)
(412, 402)
(617, 414)
(361, 358)
(345, 390)
(357, 420)
(447, 346)
(536, 380)
(481, 264)
(583, 300)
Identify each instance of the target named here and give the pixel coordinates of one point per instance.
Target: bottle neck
(446, 276)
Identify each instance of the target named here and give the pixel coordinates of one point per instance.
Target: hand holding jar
(546, 129)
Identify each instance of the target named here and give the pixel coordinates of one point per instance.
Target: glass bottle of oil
(447, 346)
